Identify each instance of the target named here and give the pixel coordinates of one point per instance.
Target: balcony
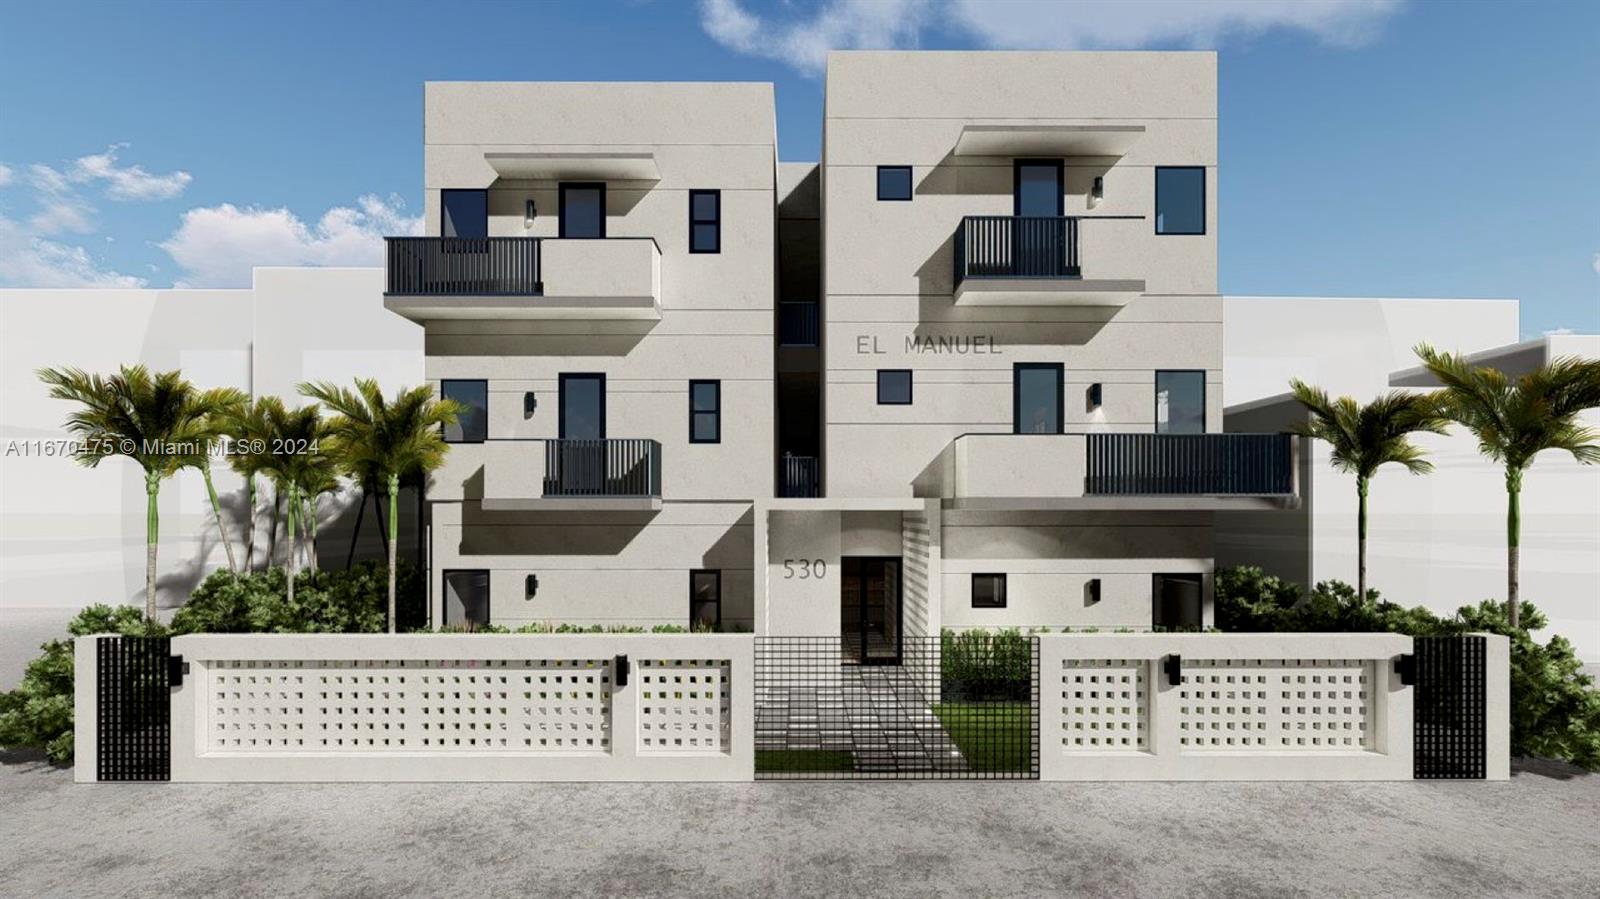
(1013, 260)
(798, 477)
(523, 278)
(525, 475)
(1117, 471)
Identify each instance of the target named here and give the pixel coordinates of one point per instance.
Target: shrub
(979, 665)
(38, 713)
(1555, 709)
(325, 602)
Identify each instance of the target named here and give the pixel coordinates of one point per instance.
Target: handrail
(463, 266)
(614, 467)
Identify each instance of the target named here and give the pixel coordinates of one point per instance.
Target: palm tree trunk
(216, 509)
(1361, 539)
(311, 522)
(361, 513)
(394, 537)
(1513, 542)
(277, 504)
(293, 562)
(383, 533)
(250, 524)
(152, 535)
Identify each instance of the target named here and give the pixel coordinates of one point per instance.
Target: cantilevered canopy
(1047, 140)
(536, 166)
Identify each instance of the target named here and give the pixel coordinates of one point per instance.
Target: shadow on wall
(485, 338)
(585, 533)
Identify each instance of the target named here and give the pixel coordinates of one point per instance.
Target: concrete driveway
(1538, 835)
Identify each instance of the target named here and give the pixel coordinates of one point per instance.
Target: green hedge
(1555, 707)
(985, 666)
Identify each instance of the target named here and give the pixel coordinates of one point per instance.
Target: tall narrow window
(1180, 402)
(464, 213)
(466, 598)
(1036, 402)
(705, 599)
(472, 425)
(988, 591)
(705, 411)
(894, 386)
(894, 182)
(583, 209)
(1180, 200)
(705, 221)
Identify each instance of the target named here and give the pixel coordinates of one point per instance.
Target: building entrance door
(870, 613)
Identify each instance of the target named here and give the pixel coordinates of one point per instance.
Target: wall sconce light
(531, 212)
(531, 585)
(530, 402)
(1094, 396)
(1173, 666)
(1097, 192)
(1091, 592)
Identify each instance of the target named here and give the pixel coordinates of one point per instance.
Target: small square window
(472, 425)
(705, 411)
(894, 387)
(988, 591)
(705, 221)
(894, 182)
(466, 598)
(1180, 200)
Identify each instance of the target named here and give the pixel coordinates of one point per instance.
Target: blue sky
(1369, 147)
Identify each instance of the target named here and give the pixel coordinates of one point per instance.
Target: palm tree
(157, 420)
(296, 457)
(251, 432)
(217, 426)
(1362, 439)
(1516, 420)
(320, 480)
(373, 436)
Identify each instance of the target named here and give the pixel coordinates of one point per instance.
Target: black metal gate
(962, 706)
(1450, 711)
(134, 702)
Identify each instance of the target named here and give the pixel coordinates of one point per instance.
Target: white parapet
(468, 707)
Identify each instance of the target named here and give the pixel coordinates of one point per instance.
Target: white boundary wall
(1248, 707)
(445, 707)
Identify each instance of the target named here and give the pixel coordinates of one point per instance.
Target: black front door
(582, 457)
(869, 604)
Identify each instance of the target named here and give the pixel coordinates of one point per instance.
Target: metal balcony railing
(798, 477)
(1198, 464)
(463, 266)
(1017, 246)
(799, 323)
(629, 467)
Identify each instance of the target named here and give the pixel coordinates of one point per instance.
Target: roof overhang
(1047, 140)
(539, 166)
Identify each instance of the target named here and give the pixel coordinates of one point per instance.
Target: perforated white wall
(1104, 705)
(1275, 704)
(685, 706)
(534, 705)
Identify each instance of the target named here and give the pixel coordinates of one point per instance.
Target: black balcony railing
(607, 468)
(1017, 246)
(1199, 464)
(799, 323)
(463, 266)
(798, 477)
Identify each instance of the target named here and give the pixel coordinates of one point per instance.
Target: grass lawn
(799, 761)
(992, 736)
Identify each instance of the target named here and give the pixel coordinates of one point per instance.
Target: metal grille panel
(947, 709)
(133, 709)
(1451, 708)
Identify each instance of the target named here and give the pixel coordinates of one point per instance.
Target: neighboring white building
(1436, 540)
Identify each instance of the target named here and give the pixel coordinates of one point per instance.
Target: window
(1176, 601)
(705, 221)
(583, 210)
(466, 598)
(472, 426)
(988, 591)
(464, 213)
(705, 411)
(894, 386)
(705, 600)
(583, 406)
(1180, 402)
(1036, 401)
(1180, 200)
(894, 182)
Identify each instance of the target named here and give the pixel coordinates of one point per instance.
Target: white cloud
(217, 246)
(1557, 332)
(56, 215)
(47, 180)
(127, 182)
(1597, 263)
(28, 260)
(6, 176)
(803, 42)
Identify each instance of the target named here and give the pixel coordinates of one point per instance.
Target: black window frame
(1155, 399)
(911, 183)
(715, 221)
(1061, 395)
(716, 413)
(1156, 216)
(910, 386)
(443, 394)
(693, 574)
(561, 208)
(1000, 581)
(443, 207)
(561, 400)
(1191, 577)
(488, 594)
(1017, 166)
